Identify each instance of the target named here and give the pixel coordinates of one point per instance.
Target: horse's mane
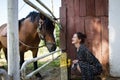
(34, 15)
(20, 21)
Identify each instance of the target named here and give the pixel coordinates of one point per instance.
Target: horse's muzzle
(51, 46)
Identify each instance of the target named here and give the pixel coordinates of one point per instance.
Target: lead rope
(29, 45)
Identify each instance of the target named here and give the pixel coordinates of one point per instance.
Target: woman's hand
(75, 61)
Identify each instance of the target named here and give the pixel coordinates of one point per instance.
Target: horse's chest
(23, 48)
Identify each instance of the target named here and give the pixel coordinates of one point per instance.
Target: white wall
(114, 37)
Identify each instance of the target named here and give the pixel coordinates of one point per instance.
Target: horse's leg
(21, 58)
(35, 63)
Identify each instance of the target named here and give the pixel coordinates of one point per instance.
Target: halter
(40, 35)
(38, 30)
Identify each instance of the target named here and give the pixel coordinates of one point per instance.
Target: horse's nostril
(51, 47)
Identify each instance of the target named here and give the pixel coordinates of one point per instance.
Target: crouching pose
(86, 63)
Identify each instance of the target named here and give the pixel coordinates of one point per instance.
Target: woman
(86, 63)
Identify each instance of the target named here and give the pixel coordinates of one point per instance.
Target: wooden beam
(63, 30)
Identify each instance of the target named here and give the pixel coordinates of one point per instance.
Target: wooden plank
(101, 7)
(93, 31)
(105, 44)
(82, 8)
(80, 22)
(63, 2)
(106, 10)
(63, 42)
(96, 42)
(63, 67)
(76, 8)
(70, 28)
(90, 7)
(89, 31)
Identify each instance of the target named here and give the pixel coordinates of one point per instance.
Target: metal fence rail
(23, 68)
(3, 75)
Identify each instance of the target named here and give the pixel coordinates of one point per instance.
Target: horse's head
(45, 29)
(47, 33)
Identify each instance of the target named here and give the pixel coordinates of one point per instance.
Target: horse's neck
(28, 31)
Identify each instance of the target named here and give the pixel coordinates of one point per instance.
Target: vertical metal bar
(12, 40)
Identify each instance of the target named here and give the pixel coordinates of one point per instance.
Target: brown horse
(32, 29)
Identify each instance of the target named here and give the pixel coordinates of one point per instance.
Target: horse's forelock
(49, 24)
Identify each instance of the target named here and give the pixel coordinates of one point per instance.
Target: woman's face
(75, 39)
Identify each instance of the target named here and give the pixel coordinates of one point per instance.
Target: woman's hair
(81, 36)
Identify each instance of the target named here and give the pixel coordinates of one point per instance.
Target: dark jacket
(89, 64)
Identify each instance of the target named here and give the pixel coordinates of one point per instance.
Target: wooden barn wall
(91, 18)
